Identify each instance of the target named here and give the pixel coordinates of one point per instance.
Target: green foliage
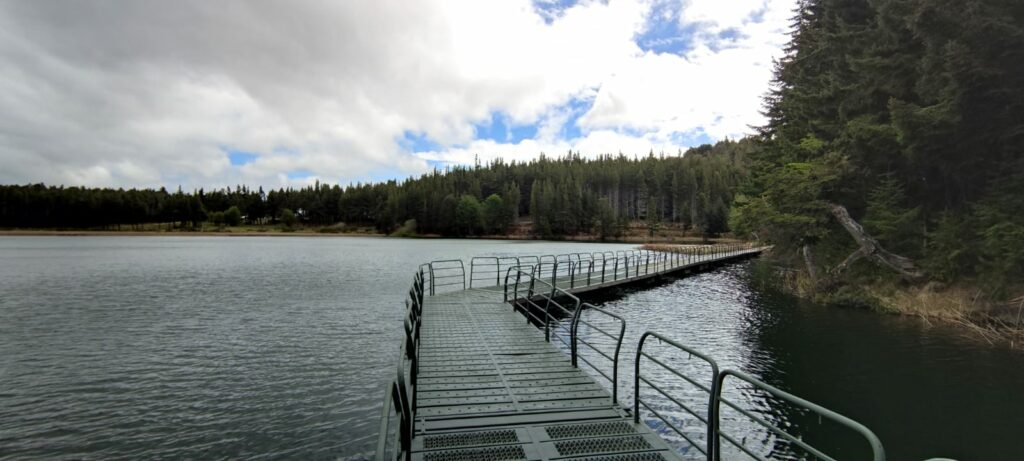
(288, 218)
(608, 225)
(908, 114)
(233, 216)
(468, 216)
(216, 218)
(1000, 220)
(891, 221)
(951, 248)
(407, 229)
(792, 210)
(495, 215)
(510, 197)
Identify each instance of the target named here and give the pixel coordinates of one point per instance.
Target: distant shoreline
(94, 233)
(628, 239)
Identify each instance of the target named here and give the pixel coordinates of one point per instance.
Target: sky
(199, 93)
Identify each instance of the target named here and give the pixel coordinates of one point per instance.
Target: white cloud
(151, 93)
(716, 91)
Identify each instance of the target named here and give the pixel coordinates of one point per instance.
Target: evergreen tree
(468, 216)
(494, 215)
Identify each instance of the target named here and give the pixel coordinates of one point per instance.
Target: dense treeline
(905, 118)
(562, 196)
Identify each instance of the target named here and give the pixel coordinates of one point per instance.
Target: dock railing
(607, 345)
(546, 304)
(400, 395)
(486, 269)
(709, 386)
(444, 275)
(872, 441)
(715, 437)
(574, 270)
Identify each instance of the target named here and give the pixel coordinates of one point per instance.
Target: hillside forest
(560, 196)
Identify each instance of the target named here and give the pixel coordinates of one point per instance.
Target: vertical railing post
(547, 315)
(515, 294)
(432, 293)
(554, 273)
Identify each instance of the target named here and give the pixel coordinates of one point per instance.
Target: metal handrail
(517, 270)
(878, 452)
(548, 294)
(396, 397)
(382, 430)
(577, 320)
(485, 268)
(613, 266)
(446, 273)
(474, 272)
(710, 419)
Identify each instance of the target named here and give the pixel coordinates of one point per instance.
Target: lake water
(261, 347)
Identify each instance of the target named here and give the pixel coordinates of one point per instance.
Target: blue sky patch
(692, 138)
(299, 174)
(552, 9)
(239, 157)
(664, 33)
(413, 141)
(577, 107)
(500, 129)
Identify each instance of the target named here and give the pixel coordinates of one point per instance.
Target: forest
(559, 196)
(895, 136)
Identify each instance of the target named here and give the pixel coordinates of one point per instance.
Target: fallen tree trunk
(870, 248)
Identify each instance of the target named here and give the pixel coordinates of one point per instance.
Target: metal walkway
(477, 382)
(490, 387)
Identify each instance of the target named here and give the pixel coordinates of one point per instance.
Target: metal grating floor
(490, 388)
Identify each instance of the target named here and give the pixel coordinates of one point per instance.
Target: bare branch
(869, 247)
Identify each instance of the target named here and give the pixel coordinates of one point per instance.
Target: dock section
(479, 382)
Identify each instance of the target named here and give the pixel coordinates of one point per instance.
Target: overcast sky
(274, 93)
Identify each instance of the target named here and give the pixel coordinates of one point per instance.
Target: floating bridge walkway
(477, 382)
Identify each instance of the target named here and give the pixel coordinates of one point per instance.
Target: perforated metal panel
(603, 445)
(590, 430)
(503, 453)
(470, 439)
(649, 456)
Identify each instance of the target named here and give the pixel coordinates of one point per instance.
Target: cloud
(151, 93)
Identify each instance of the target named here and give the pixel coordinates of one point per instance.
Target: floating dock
(490, 368)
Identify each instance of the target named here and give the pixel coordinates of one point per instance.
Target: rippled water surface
(195, 347)
(205, 347)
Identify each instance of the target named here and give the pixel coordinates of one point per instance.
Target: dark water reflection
(925, 390)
